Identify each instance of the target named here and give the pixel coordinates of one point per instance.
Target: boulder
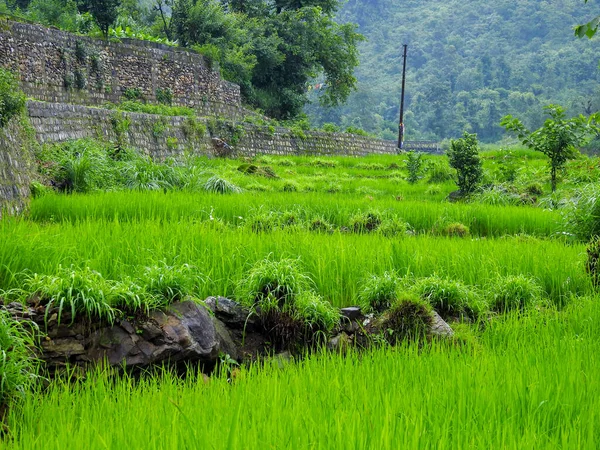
(439, 327)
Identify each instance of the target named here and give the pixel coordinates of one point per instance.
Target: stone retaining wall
(162, 137)
(60, 67)
(16, 167)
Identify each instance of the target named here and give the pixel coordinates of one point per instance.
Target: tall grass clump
(582, 214)
(291, 312)
(592, 265)
(170, 283)
(18, 367)
(514, 292)
(218, 185)
(450, 298)
(378, 292)
(77, 291)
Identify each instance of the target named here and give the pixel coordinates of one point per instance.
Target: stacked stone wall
(16, 167)
(56, 122)
(60, 67)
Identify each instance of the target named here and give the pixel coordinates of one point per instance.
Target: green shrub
(134, 93)
(414, 165)
(378, 292)
(463, 156)
(164, 96)
(330, 128)
(18, 367)
(514, 292)
(12, 99)
(409, 319)
(220, 185)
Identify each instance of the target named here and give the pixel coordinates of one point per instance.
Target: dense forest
(469, 64)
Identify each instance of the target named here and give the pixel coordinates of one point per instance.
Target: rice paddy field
(526, 378)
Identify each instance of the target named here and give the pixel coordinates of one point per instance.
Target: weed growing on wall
(12, 99)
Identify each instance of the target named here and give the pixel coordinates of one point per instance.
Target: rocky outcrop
(186, 332)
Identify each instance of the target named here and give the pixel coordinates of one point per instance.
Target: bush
(514, 292)
(377, 293)
(18, 368)
(414, 164)
(12, 99)
(409, 319)
(463, 156)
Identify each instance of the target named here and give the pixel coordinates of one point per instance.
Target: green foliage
(365, 222)
(450, 298)
(557, 138)
(463, 156)
(159, 127)
(414, 165)
(163, 110)
(12, 99)
(581, 216)
(193, 128)
(438, 171)
(171, 283)
(330, 128)
(18, 367)
(164, 96)
(272, 284)
(592, 265)
(104, 12)
(72, 290)
(378, 292)
(514, 292)
(132, 93)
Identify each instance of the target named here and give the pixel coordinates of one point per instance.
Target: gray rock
(226, 344)
(352, 312)
(439, 327)
(230, 312)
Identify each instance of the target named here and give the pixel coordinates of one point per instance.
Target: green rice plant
(18, 367)
(171, 283)
(514, 292)
(408, 319)
(78, 291)
(453, 229)
(218, 185)
(315, 312)
(377, 293)
(438, 171)
(496, 196)
(450, 298)
(261, 221)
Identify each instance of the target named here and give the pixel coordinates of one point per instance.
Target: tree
(463, 156)
(104, 12)
(557, 138)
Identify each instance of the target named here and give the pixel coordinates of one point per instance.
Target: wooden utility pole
(401, 124)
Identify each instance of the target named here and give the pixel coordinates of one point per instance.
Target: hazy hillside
(469, 63)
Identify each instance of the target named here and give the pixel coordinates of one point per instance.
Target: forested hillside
(469, 64)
